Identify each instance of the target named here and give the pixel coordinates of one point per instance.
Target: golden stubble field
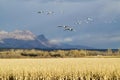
(60, 69)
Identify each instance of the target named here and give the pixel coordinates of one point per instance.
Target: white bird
(86, 21)
(46, 12)
(40, 12)
(78, 22)
(70, 29)
(50, 12)
(64, 26)
(89, 19)
(67, 28)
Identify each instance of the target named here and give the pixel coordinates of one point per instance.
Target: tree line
(34, 53)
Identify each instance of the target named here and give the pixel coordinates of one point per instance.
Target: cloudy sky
(99, 20)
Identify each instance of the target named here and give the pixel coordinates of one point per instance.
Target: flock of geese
(65, 27)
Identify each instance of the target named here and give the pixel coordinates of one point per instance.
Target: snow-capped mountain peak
(17, 34)
(26, 39)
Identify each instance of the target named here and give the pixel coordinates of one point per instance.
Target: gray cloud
(60, 0)
(23, 14)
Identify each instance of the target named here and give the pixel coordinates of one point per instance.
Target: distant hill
(26, 39)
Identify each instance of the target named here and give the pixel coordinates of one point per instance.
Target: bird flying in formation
(49, 12)
(85, 21)
(67, 28)
(64, 26)
(46, 12)
(40, 12)
(78, 22)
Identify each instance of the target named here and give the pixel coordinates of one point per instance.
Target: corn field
(60, 69)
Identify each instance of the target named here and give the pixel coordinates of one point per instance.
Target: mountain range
(26, 39)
